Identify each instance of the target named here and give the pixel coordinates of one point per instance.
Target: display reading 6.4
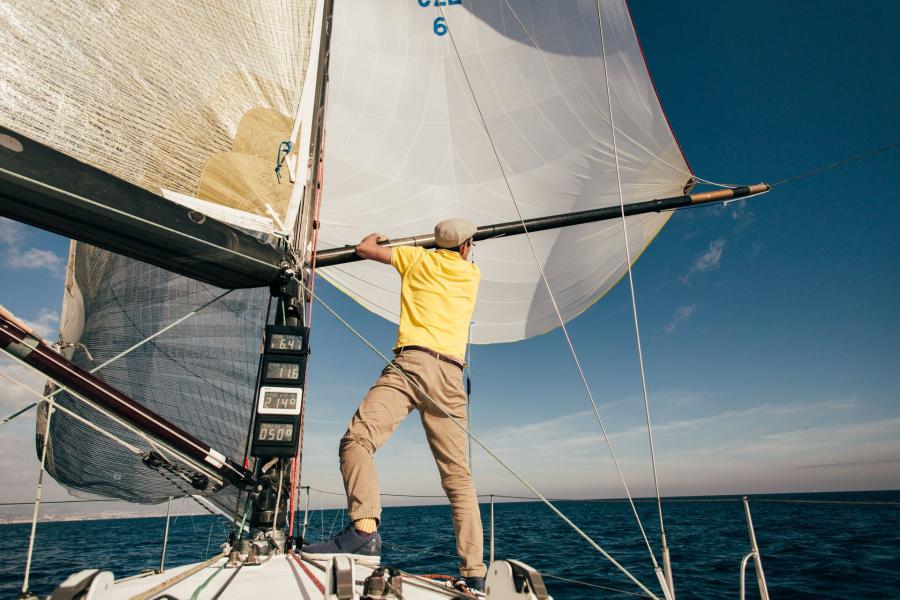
(286, 341)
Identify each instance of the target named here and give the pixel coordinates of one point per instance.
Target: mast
(347, 254)
(269, 513)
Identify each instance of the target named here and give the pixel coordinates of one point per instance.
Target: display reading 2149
(439, 26)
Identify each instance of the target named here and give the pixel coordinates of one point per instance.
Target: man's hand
(369, 249)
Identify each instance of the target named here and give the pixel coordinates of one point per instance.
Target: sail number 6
(439, 26)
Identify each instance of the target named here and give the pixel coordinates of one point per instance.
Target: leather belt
(437, 355)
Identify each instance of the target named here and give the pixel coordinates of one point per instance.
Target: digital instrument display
(286, 341)
(279, 395)
(283, 370)
(280, 400)
(275, 432)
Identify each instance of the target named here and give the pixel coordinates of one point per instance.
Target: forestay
(406, 145)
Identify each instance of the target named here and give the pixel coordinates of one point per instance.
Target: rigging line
(205, 504)
(602, 117)
(221, 568)
(552, 297)
(209, 539)
(149, 338)
(837, 163)
(484, 447)
(137, 408)
(47, 186)
(169, 453)
(77, 417)
(218, 512)
(131, 349)
(593, 585)
(37, 497)
(163, 352)
(637, 328)
(19, 412)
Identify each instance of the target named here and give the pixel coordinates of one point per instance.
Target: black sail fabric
(200, 375)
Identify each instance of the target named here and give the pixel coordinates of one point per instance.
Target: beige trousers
(388, 402)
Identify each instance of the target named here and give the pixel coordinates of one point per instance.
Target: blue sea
(827, 545)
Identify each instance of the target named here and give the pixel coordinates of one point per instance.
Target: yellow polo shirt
(437, 298)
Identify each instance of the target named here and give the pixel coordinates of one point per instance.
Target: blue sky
(770, 328)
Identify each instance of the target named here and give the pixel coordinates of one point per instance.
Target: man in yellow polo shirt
(437, 298)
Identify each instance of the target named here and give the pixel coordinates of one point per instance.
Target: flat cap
(451, 233)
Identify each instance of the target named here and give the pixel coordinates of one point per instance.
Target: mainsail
(186, 100)
(420, 98)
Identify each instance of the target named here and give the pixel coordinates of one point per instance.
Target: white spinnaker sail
(406, 146)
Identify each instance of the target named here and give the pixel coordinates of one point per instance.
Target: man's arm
(369, 249)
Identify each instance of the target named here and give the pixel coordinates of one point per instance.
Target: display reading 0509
(281, 370)
(275, 432)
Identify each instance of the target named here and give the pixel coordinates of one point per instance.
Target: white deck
(281, 576)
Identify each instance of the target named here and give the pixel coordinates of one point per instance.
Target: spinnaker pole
(347, 254)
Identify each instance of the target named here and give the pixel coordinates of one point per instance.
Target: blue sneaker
(476, 584)
(362, 547)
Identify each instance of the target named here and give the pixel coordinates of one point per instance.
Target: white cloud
(742, 214)
(12, 396)
(46, 324)
(10, 232)
(708, 261)
(681, 315)
(12, 235)
(33, 258)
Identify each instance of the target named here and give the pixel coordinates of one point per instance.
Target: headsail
(406, 145)
(178, 98)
